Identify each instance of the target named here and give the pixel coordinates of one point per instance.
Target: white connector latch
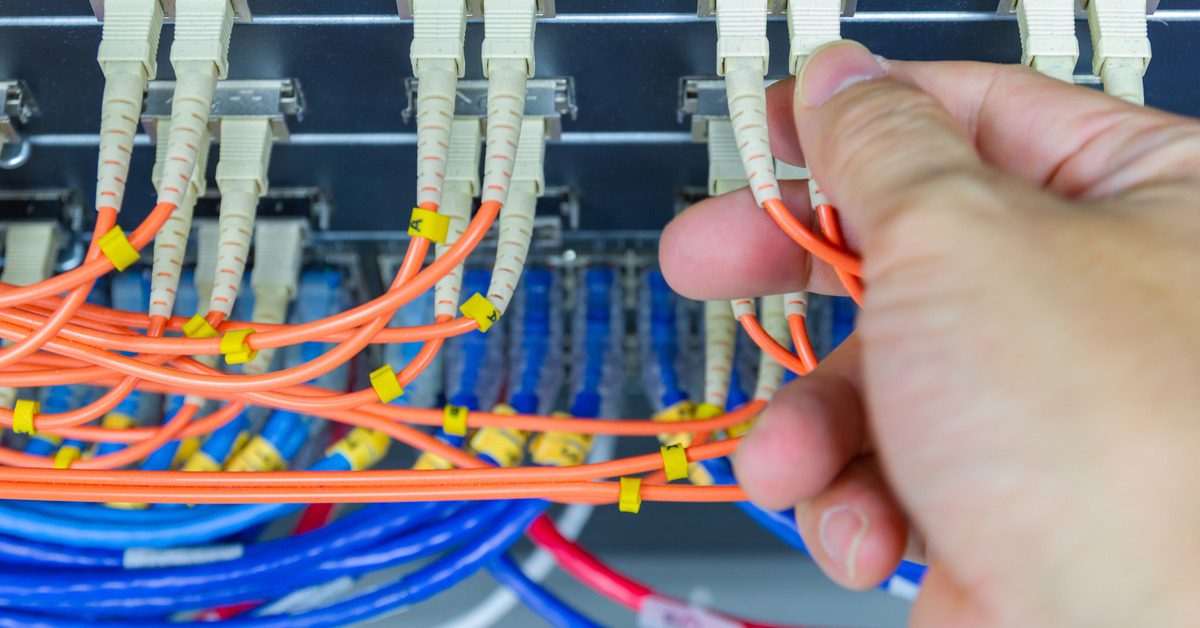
(725, 170)
(812, 24)
(787, 172)
(1120, 46)
(508, 27)
(439, 32)
(742, 32)
(202, 32)
(30, 250)
(278, 254)
(530, 165)
(245, 152)
(462, 185)
(242, 178)
(1048, 42)
(130, 35)
(516, 216)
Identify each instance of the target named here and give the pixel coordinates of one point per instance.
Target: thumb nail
(842, 530)
(832, 68)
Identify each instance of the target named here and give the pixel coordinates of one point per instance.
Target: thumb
(886, 152)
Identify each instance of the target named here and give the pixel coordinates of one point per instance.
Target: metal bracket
(545, 8)
(277, 99)
(775, 8)
(241, 9)
(18, 107)
(309, 203)
(704, 98)
(1009, 7)
(551, 98)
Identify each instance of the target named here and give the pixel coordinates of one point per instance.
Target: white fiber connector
(1120, 46)
(774, 322)
(30, 249)
(1048, 42)
(127, 55)
(208, 238)
(242, 178)
(170, 245)
(462, 185)
(742, 33)
(439, 31)
(508, 62)
(725, 170)
(200, 56)
(278, 254)
(787, 172)
(742, 60)
(516, 216)
(795, 304)
(811, 24)
(720, 335)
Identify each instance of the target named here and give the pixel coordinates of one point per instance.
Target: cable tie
(479, 308)
(116, 247)
(65, 456)
(708, 411)
(385, 383)
(454, 420)
(233, 345)
(429, 225)
(198, 327)
(675, 462)
(630, 499)
(23, 412)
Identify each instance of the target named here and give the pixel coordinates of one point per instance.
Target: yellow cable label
(682, 411)
(675, 462)
(233, 345)
(503, 445)
(201, 462)
(362, 448)
(198, 327)
(116, 247)
(481, 310)
(116, 421)
(429, 462)
(708, 411)
(454, 420)
(186, 448)
(65, 456)
(560, 449)
(23, 412)
(429, 225)
(258, 455)
(630, 499)
(387, 387)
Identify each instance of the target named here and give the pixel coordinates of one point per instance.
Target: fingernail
(842, 531)
(832, 68)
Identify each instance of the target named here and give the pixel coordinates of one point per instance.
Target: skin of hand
(1022, 393)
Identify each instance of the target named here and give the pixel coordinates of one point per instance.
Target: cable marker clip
(482, 310)
(23, 412)
(383, 380)
(675, 462)
(429, 225)
(233, 345)
(198, 327)
(454, 420)
(631, 495)
(117, 249)
(65, 456)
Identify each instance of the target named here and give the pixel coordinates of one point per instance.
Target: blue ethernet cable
(543, 603)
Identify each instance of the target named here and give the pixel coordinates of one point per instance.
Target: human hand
(1022, 394)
